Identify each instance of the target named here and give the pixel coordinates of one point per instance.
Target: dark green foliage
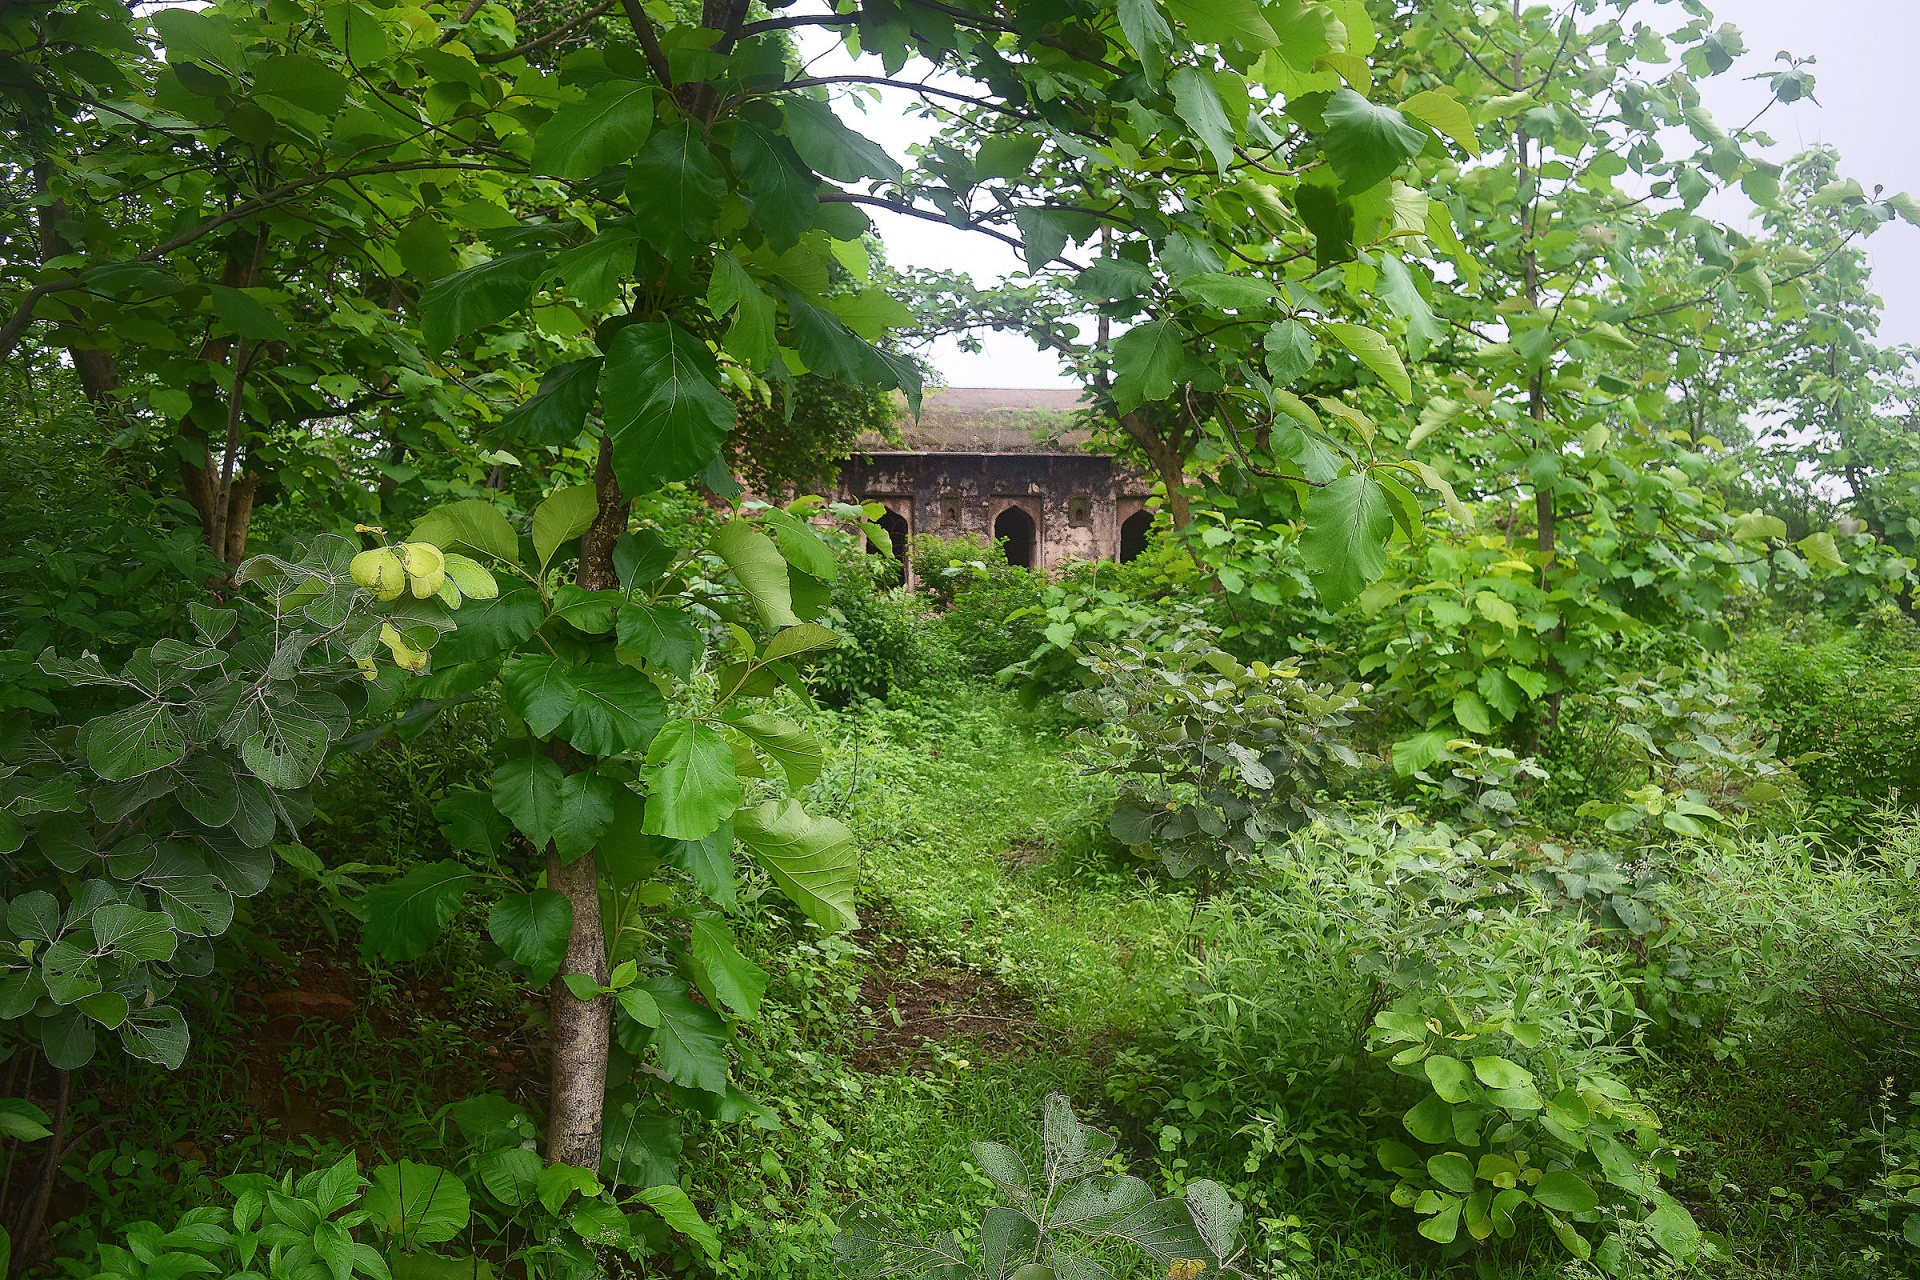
(889, 641)
(810, 427)
(989, 607)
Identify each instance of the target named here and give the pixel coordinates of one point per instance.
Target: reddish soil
(911, 1002)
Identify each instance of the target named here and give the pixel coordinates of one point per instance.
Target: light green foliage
(1216, 761)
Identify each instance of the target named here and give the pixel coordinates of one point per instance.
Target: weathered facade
(1005, 464)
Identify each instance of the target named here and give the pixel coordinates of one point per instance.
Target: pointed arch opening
(1014, 528)
(1133, 535)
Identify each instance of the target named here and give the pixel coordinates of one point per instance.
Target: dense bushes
(1847, 703)
(888, 641)
(989, 607)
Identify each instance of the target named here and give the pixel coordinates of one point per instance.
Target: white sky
(1868, 58)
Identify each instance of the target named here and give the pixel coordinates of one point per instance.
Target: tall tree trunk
(582, 1029)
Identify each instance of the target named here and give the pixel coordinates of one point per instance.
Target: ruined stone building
(1006, 464)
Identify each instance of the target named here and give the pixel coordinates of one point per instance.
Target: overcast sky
(1868, 59)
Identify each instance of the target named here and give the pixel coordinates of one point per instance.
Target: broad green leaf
(156, 1034)
(1430, 1120)
(553, 415)
(812, 860)
(1450, 1077)
(585, 138)
(487, 628)
(539, 689)
(563, 516)
(557, 1184)
(418, 1201)
(800, 754)
(1820, 549)
(510, 1174)
(1147, 31)
(1445, 114)
(479, 296)
(1345, 543)
(287, 747)
(1198, 103)
(664, 412)
(1366, 142)
(1237, 22)
(1499, 1073)
(691, 784)
(1148, 362)
(133, 933)
(828, 145)
(1372, 349)
(1400, 290)
(22, 1120)
(615, 709)
(784, 203)
(135, 742)
(1567, 1191)
(473, 524)
(663, 634)
(594, 272)
(801, 546)
(532, 928)
(1453, 1171)
(675, 189)
(1472, 713)
(403, 917)
(246, 315)
(674, 1209)
(1443, 1226)
(691, 1039)
(738, 981)
(1756, 526)
(808, 637)
(549, 805)
(760, 569)
(1229, 292)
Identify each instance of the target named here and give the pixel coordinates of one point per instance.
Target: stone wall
(1077, 501)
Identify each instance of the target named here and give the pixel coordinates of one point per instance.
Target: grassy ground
(1006, 953)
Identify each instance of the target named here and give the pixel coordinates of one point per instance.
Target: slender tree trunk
(1168, 461)
(582, 1029)
(219, 487)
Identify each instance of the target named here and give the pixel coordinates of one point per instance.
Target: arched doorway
(896, 526)
(1014, 527)
(1133, 535)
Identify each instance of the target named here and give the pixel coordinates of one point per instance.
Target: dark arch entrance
(1133, 535)
(896, 526)
(1014, 527)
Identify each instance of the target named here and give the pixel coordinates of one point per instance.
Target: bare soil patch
(912, 1003)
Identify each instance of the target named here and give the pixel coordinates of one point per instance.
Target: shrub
(888, 641)
(1847, 701)
(993, 623)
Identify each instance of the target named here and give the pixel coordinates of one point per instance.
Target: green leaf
(812, 860)
(586, 138)
(404, 917)
(157, 1034)
(1757, 526)
(671, 1204)
(1450, 1077)
(557, 1184)
(691, 1039)
(474, 524)
(828, 145)
(1291, 351)
(1148, 361)
(539, 689)
(563, 516)
(133, 933)
(246, 316)
(1446, 115)
(418, 1201)
(1471, 711)
(663, 634)
(800, 754)
(1430, 1120)
(1444, 1225)
(1345, 543)
(615, 709)
(1820, 549)
(134, 742)
(1365, 142)
(487, 628)
(1401, 292)
(1198, 103)
(1452, 1171)
(22, 1120)
(1237, 22)
(549, 805)
(782, 189)
(479, 296)
(532, 928)
(675, 189)
(801, 546)
(1567, 1191)
(664, 412)
(691, 786)
(738, 981)
(1147, 31)
(760, 569)
(555, 413)
(1373, 350)
(1499, 1073)
(593, 272)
